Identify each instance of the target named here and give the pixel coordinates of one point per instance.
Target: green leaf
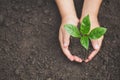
(97, 32)
(85, 25)
(85, 42)
(72, 30)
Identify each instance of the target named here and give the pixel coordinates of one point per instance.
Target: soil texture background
(30, 49)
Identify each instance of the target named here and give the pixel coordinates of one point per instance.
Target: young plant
(84, 34)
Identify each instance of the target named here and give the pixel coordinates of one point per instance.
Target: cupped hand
(95, 43)
(64, 39)
(96, 46)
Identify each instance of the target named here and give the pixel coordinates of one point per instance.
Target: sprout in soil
(84, 33)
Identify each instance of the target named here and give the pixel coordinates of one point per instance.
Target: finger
(92, 55)
(97, 43)
(77, 59)
(65, 50)
(66, 39)
(68, 54)
(100, 41)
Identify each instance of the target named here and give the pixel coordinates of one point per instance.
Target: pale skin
(68, 15)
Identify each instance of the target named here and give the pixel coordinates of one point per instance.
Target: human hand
(95, 43)
(64, 39)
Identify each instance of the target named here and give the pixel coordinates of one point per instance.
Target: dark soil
(30, 50)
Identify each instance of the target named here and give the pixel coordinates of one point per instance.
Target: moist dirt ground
(30, 49)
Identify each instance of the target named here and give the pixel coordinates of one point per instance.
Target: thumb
(66, 40)
(95, 44)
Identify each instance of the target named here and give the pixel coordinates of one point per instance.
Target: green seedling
(84, 33)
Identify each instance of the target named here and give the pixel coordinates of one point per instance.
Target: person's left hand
(95, 43)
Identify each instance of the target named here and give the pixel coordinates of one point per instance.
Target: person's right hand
(64, 39)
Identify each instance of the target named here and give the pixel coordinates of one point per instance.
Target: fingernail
(65, 44)
(77, 60)
(71, 59)
(80, 60)
(96, 47)
(86, 60)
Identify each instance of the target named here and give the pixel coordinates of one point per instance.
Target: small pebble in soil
(46, 11)
(28, 10)
(39, 2)
(44, 21)
(48, 79)
(19, 69)
(15, 8)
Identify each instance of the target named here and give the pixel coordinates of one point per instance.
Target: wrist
(92, 17)
(70, 18)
